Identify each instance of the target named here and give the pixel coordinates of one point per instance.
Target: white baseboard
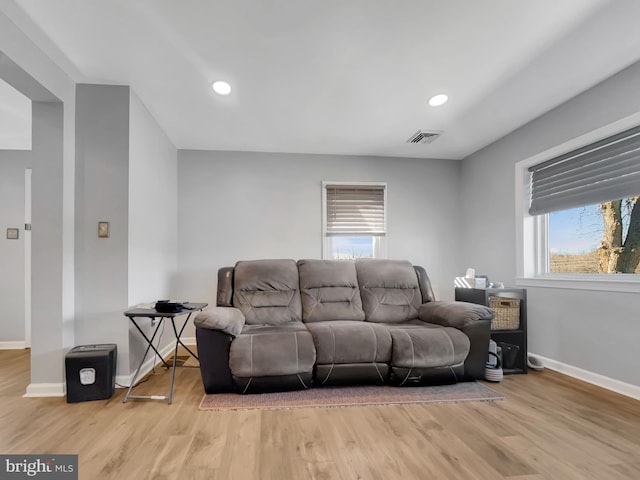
(35, 390)
(612, 384)
(123, 381)
(21, 345)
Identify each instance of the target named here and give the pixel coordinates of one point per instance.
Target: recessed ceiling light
(221, 88)
(438, 100)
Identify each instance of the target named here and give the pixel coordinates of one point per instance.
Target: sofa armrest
(454, 314)
(473, 320)
(229, 320)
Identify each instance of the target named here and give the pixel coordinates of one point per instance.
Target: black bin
(509, 354)
(91, 372)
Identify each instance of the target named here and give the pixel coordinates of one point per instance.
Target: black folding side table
(138, 313)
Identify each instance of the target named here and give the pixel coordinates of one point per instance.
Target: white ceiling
(338, 76)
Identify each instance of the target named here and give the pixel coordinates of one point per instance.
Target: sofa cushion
(329, 290)
(427, 345)
(340, 342)
(267, 291)
(389, 289)
(272, 350)
(226, 319)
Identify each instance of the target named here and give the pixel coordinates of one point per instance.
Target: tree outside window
(600, 238)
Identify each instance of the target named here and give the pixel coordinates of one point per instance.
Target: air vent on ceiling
(424, 136)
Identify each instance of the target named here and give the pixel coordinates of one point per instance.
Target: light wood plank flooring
(550, 427)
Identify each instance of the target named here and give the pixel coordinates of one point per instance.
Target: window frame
(532, 232)
(379, 241)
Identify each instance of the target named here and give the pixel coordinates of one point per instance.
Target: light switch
(103, 229)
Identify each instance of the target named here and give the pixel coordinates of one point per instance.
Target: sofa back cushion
(225, 287)
(389, 289)
(329, 290)
(267, 291)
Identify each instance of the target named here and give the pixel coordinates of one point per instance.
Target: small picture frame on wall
(13, 233)
(103, 229)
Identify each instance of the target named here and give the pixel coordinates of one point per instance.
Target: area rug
(351, 396)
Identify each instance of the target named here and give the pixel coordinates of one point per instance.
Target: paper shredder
(91, 372)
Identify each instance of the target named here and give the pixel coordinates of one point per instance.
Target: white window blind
(601, 171)
(355, 210)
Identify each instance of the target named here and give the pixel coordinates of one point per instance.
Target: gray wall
(153, 207)
(237, 205)
(596, 331)
(126, 174)
(102, 194)
(47, 312)
(153, 210)
(12, 252)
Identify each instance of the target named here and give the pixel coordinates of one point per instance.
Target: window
(580, 211)
(591, 239)
(354, 220)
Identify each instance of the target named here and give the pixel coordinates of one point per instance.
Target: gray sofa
(284, 325)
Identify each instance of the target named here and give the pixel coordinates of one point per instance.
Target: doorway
(15, 214)
(51, 304)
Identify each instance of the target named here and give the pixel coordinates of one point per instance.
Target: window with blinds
(354, 220)
(590, 198)
(355, 210)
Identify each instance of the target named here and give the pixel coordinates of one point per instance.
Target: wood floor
(550, 426)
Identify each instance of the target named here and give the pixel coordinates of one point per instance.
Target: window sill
(626, 283)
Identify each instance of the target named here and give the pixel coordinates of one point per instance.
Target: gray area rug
(322, 397)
